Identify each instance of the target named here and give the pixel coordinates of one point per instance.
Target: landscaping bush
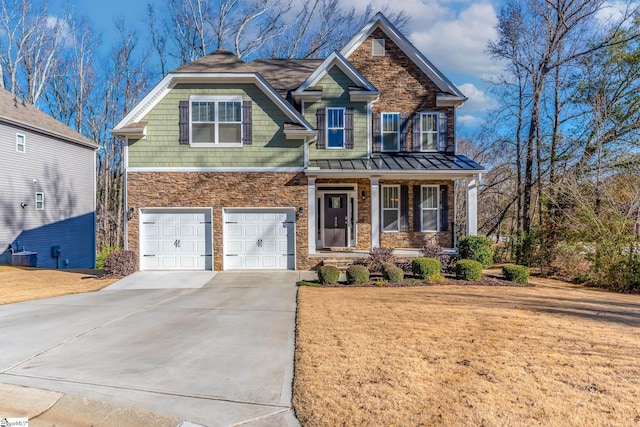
(393, 274)
(477, 248)
(426, 268)
(328, 275)
(120, 263)
(357, 274)
(516, 273)
(447, 261)
(103, 254)
(379, 256)
(624, 276)
(468, 269)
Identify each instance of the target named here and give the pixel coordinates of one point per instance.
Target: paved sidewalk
(214, 354)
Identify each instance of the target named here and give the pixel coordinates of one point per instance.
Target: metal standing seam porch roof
(426, 162)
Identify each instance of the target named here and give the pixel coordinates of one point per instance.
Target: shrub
(477, 248)
(516, 273)
(468, 269)
(328, 275)
(379, 256)
(357, 274)
(426, 268)
(393, 274)
(103, 254)
(120, 263)
(624, 276)
(447, 261)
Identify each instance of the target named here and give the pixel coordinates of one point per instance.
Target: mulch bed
(487, 280)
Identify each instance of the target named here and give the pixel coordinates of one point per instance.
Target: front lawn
(472, 355)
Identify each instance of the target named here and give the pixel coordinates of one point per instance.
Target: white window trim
(36, 201)
(437, 208)
(24, 143)
(383, 209)
(343, 127)
(382, 132)
(216, 99)
(436, 131)
(378, 42)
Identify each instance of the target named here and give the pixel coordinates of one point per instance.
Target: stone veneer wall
(415, 239)
(403, 86)
(219, 190)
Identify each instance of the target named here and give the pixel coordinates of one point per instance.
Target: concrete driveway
(211, 349)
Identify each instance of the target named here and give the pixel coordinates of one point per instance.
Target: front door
(335, 220)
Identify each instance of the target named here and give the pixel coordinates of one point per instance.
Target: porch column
(375, 212)
(311, 214)
(472, 206)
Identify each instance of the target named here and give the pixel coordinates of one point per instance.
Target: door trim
(351, 190)
(292, 210)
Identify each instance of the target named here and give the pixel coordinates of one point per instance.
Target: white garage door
(259, 239)
(175, 239)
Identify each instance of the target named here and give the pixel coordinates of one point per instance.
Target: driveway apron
(214, 350)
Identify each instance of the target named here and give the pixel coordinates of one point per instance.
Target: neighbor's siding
(64, 172)
(269, 147)
(335, 93)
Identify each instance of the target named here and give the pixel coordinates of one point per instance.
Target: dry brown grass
(24, 284)
(453, 355)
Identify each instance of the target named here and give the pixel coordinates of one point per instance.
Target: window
(429, 131)
(20, 143)
(429, 207)
(390, 208)
(390, 132)
(377, 47)
(335, 127)
(39, 201)
(216, 120)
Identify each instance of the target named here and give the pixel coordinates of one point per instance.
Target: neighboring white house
(47, 190)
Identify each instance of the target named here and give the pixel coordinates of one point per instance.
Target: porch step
(341, 263)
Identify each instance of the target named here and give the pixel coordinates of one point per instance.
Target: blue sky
(452, 34)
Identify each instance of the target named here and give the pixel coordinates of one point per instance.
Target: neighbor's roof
(22, 114)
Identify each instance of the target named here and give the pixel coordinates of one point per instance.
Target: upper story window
(390, 132)
(216, 120)
(335, 127)
(429, 132)
(39, 201)
(377, 47)
(21, 145)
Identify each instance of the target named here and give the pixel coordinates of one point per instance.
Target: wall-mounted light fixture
(130, 213)
(301, 210)
(363, 195)
(23, 205)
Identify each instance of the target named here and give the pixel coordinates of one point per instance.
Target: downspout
(369, 129)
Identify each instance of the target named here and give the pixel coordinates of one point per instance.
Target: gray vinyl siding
(64, 172)
(335, 93)
(269, 146)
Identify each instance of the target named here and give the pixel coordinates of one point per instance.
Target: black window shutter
(348, 128)
(416, 132)
(404, 208)
(322, 134)
(183, 122)
(443, 133)
(417, 214)
(444, 207)
(377, 132)
(247, 137)
(404, 132)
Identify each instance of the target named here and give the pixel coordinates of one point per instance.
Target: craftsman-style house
(270, 163)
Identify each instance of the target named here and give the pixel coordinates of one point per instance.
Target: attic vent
(377, 47)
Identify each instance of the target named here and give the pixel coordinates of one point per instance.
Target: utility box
(55, 251)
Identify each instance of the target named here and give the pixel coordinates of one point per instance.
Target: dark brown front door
(335, 220)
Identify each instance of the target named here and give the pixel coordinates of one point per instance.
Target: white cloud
(479, 101)
(468, 121)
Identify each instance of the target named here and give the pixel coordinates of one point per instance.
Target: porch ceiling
(383, 164)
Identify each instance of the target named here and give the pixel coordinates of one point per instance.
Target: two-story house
(48, 197)
(266, 164)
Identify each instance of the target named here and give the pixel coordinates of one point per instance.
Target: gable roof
(381, 22)
(337, 60)
(220, 61)
(22, 114)
(285, 74)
